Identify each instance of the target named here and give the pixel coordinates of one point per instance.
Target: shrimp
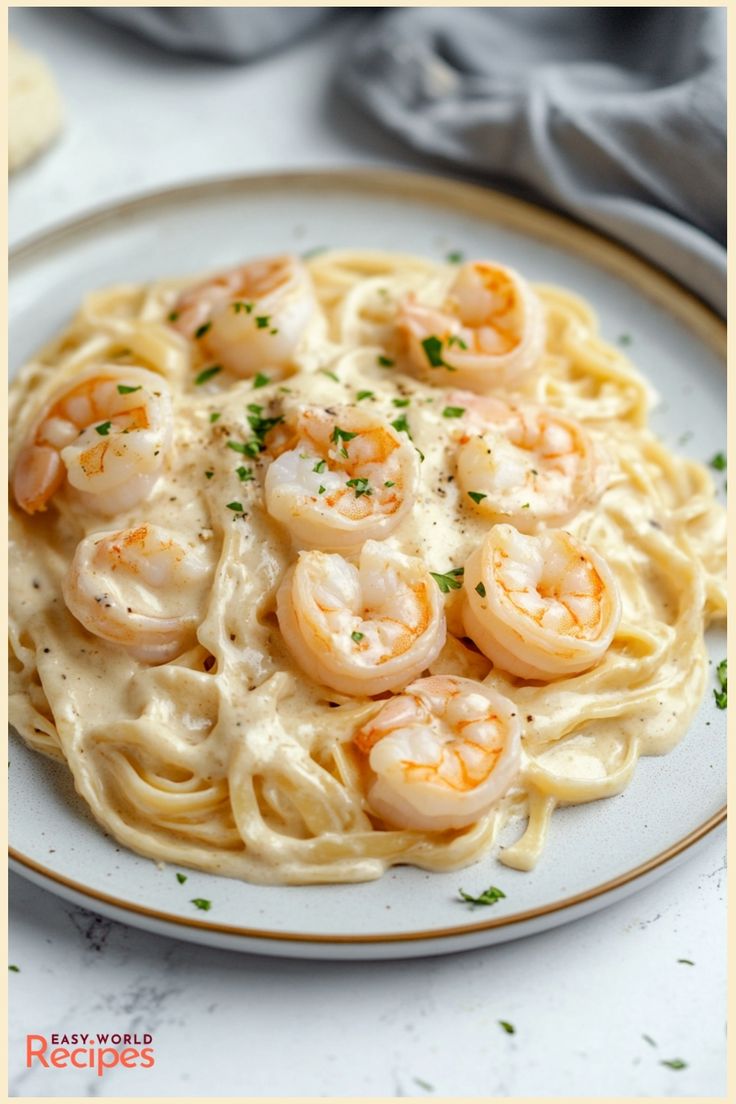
(489, 332)
(540, 607)
(442, 753)
(347, 476)
(107, 432)
(141, 588)
(526, 464)
(361, 630)
(251, 317)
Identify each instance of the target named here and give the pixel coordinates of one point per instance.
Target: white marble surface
(581, 997)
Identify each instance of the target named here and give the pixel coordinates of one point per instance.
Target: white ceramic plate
(597, 852)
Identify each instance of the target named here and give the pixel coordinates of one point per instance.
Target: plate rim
(526, 217)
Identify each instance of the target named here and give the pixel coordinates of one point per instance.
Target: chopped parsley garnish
(448, 581)
(401, 425)
(123, 389)
(14, 969)
(477, 496)
(719, 461)
(649, 1039)
(173, 316)
(241, 306)
(453, 412)
(487, 897)
(263, 321)
(181, 878)
(260, 427)
(236, 507)
(207, 374)
(480, 589)
(525, 506)
(238, 446)
(624, 339)
(329, 374)
(209, 474)
(455, 339)
(386, 362)
(686, 961)
(401, 402)
(341, 435)
(721, 695)
(389, 483)
(103, 429)
(423, 1084)
(360, 485)
(261, 381)
(455, 257)
(203, 329)
(357, 636)
(215, 416)
(673, 1063)
(245, 475)
(202, 903)
(319, 466)
(433, 351)
(321, 489)
(364, 395)
(508, 1027)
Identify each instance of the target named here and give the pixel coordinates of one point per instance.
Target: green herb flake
(389, 483)
(319, 466)
(480, 589)
(401, 425)
(360, 485)
(385, 362)
(202, 903)
(261, 381)
(215, 416)
(209, 474)
(338, 435)
(508, 1027)
(426, 1085)
(364, 395)
(674, 1063)
(624, 339)
(329, 374)
(236, 507)
(488, 897)
(455, 257)
(173, 316)
(238, 446)
(263, 321)
(400, 402)
(649, 1039)
(453, 412)
(477, 496)
(14, 969)
(357, 636)
(203, 329)
(719, 461)
(123, 389)
(239, 306)
(181, 878)
(104, 428)
(321, 489)
(207, 374)
(721, 695)
(455, 339)
(449, 580)
(245, 475)
(525, 506)
(686, 961)
(433, 351)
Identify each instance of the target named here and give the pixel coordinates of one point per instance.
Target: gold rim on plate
(497, 208)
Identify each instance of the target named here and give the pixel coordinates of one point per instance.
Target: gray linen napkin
(617, 116)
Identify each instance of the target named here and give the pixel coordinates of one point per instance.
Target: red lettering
(39, 1052)
(102, 1065)
(148, 1058)
(75, 1063)
(128, 1057)
(59, 1057)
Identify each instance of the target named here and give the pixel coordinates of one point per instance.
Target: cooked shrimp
(107, 432)
(251, 317)
(345, 476)
(442, 753)
(525, 464)
(540, 607)
(489, 332)
(142, 589)
(365, 629)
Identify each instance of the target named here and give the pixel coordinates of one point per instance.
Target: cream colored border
(501, 210)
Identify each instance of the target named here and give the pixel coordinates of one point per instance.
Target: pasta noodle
(225, 756)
